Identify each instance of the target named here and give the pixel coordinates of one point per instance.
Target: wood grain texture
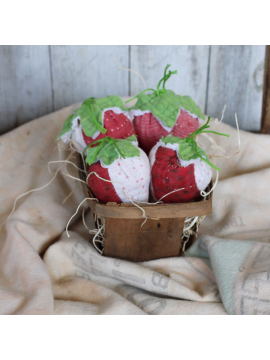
(25, 85)
(236, 80)
(164, 211)
(265, 125)
(35, 80)
(190, 61)
(79, 72)
(130, 241)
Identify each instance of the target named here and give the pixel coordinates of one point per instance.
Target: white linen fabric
(42, 271)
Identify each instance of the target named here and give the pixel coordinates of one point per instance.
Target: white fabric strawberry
(162, 113)
(96, 119)
(125, 167)
(180, 164)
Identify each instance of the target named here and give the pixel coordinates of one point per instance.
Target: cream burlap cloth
(42, 271)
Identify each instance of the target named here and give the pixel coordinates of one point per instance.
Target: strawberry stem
(203, 159)
(117, 148)
(101, 143)
(201, 130)
(164, 79)
(160, 81)
(96, 153)
(98, 126)
(158, 91)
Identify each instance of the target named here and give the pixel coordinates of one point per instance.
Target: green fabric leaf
(166, 106)
(67, 126)
(97, 106)
(189, 104)
(186, 149)
(108, 152)
(131, 138)
(127, 148)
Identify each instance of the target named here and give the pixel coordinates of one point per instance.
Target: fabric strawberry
(124, 165)
(96, 119)
(180, 164)
(162, 113)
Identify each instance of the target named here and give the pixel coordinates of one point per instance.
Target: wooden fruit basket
(159, 237)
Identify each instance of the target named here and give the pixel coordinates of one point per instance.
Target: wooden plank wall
(25, 85)
(35, 80)
(265, 125)
(236, 79)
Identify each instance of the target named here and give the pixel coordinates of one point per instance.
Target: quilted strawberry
(96, 119)
(125, 167)
(180, 164)
(162, 113)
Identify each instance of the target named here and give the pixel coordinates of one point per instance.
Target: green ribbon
(158, 91)
(101, 142)
(98, 126)
(201, 130)
(165, 78)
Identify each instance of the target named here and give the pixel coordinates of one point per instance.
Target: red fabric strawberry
(162, 113)
(175, 165)
(104, 191)
(167, 175)
(118, 126)
(125, 167)
(96, 119)
(180, 169)
(150, 130)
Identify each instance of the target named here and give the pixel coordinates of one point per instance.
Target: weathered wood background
(36, 80)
